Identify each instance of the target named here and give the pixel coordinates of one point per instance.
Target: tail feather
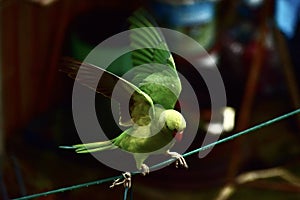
(94, 150)
(91, 147)
(66, 147)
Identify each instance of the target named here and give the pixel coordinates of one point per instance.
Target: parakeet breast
(155, 143)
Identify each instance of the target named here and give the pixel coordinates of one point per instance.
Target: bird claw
(180, 161)
(126, 180)
(145, 169)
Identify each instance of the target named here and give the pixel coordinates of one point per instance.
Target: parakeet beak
(178, 136)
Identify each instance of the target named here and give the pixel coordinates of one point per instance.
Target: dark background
(259, 66)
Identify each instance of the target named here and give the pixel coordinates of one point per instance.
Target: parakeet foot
(180, 161)
(126, 181)
(145, 169)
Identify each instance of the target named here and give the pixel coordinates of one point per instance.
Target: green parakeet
(154, 126)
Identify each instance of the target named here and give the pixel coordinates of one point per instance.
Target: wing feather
(150, 84)
(88, 76)
(150, 48)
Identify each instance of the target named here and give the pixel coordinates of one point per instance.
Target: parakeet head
(173, 121)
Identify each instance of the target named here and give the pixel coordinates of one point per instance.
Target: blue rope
(126, 191)
(165, 162)
(70, 188)
(230, 137)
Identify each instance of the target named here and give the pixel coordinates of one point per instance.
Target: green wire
(254, 128)
(230, 137)
(267, 123)
(70, 188)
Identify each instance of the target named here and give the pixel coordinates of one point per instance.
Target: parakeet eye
(168, 126)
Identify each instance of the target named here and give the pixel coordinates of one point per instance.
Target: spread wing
(155, 79)
(111, 86)
(157, 75)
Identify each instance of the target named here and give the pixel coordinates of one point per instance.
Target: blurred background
(255, 44)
